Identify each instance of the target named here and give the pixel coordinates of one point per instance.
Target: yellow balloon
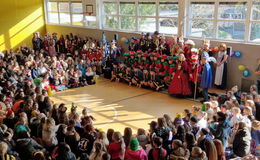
(241, 67)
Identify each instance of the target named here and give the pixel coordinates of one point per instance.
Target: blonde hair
(117, 137)
(236, 109)
(249, 109)
(250, 103)
(223, 45)
(197, 152)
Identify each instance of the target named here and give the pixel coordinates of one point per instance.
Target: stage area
(115, 105)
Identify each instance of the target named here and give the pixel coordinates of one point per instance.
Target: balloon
(100, 43)
(233, 54)
(214, 50)
(241, 67)
(246, 73)
(127, 41)
(238, 54)
(122, 39)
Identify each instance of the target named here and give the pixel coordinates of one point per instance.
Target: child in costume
(221, 70)
(155, 82)
(169, 73)
(128, 75)
(137, 77)
(194, 71)
(158, 64)
(180, 82)
(114, 72)
(121, 72)
(165, 66)
(146, 78)
(206, 76)
(146, 62)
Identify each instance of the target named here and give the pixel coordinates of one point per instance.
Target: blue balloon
(127, 41)
(246, 73)
(238, 54)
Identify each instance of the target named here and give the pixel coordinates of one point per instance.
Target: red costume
(194, 71)
(180, 82)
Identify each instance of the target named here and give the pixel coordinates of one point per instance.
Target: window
(234, 27)
(146, 9)
(110, 15)
(127, 8)
(232, 10)
(255, 23)
(231, 20)
(201, 19)
(201, 10)
(228, 22)
(231, 30)
(147, 24)
(146, 16)
(127, 16)
(201, 28)
(77, 16)
(168, 9)
(64, 12)
(53, 12)
(168, 20)
(142, 16)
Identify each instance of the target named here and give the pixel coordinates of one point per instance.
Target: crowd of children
(35, 128)
(176, 65)
(38, 129)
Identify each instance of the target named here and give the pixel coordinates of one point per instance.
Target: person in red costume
(180, 82)
(189, 44)
(194, 70)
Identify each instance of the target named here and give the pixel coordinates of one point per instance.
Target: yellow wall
(18, 20)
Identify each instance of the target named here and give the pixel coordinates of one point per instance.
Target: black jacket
(26, 146)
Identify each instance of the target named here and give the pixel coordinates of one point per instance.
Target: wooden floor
(116, 105)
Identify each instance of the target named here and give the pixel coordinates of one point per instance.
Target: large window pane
(127, 23)
(147, 24)
(231, 30)
(90, 21)
(168, 26)
(232, 10)
(256, 11)
(64, 7)
(201, 28)
(168, 9)
(127, 8)
(76, 7)
(202, 10)
(52, 6)
(77, 19)
(147, 9)
(53, 17)
(64, 18)
(111, 22)
(255, 32)
(110, 8)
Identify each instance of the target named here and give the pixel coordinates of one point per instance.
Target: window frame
(247, 21)
(183, 19)
(251, 22)
(157, 17)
